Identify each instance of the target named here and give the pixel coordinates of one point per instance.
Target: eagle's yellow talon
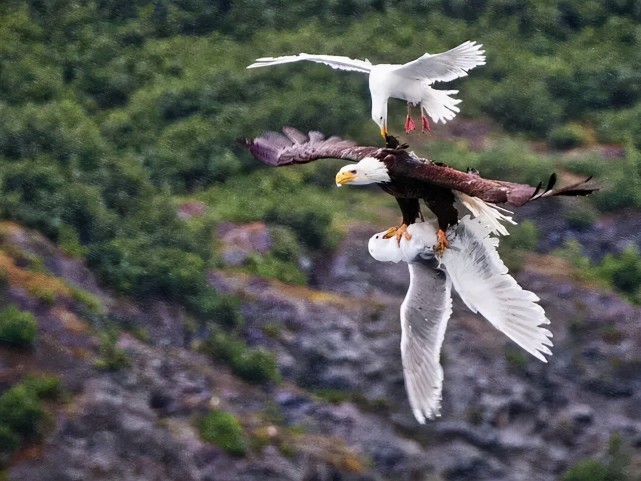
(441, 243)
(398, 233)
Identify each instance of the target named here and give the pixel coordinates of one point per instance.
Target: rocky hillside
(134, 407)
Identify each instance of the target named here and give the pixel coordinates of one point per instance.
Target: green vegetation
(567, 136)
(613, 466)
(253, 365)
(17, 327)
(111, 357)
(224, 429)
(23, 417)
(523, 237)
(621, 272)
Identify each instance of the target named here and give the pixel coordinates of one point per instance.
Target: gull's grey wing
(334, 61)
(446, 66)
(424, 315)
(294, 147)
(483, 283)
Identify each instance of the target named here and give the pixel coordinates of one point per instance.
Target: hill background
(141, 249)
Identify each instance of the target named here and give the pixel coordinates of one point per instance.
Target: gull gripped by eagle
(473, 267)
(410, 81)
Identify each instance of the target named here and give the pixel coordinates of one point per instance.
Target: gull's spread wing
(481, 279)
(424, 315)
(334, 61)
(446, 66)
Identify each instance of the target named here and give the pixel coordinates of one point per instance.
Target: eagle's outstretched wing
(294, 147)
(472, 184)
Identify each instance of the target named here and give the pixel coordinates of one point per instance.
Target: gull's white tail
(437, 104)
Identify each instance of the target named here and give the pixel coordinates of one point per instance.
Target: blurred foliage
(523, 237)
(613, 466)
(567, 136)
(223, 429)
(111, 357)
(620, 271)
(17, 327)
(23, 417)
(252, 364)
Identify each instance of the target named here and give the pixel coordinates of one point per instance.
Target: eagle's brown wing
(294, 147)
(471, 183)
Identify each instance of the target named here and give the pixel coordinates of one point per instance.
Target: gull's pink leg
(425, 124)
(409, 123)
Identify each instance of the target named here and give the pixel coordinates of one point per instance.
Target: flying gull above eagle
(410, 81)
(474, 269)
(408, 178)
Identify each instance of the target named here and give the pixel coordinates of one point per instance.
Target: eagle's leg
(397, 232)
(409, 123)
(425, 123)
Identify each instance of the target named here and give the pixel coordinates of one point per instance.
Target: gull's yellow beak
(384, 130)
(344, 177)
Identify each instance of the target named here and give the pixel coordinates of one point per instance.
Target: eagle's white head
(368, 171)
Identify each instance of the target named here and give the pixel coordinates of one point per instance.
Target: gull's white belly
(385, 83)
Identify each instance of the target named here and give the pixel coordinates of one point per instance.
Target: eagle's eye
(353, 171)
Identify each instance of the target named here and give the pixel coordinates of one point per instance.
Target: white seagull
(473, 267)
(410, 81)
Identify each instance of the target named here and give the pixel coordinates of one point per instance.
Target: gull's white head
(368, 171)
(379, 113)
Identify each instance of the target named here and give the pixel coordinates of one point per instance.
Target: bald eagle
(410, 81)
(406, 177)
(473, 268)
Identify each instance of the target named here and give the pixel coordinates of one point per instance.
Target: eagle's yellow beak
(345, 177)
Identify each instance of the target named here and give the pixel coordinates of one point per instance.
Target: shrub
(20, 411)
(623, 272)
(253, 365)
(112, 358)
(209, 306)
(567, 136)
(224, 429)
(268, 265)
(17, 327)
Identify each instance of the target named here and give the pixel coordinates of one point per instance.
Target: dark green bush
(567, 136)
(20, 411)
(22, 415)
(253, 365)
(17, 327)
(623, 272)
(221, 310)
(224, 430)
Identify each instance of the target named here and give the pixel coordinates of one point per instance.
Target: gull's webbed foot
(425, 124)
(409, 122)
